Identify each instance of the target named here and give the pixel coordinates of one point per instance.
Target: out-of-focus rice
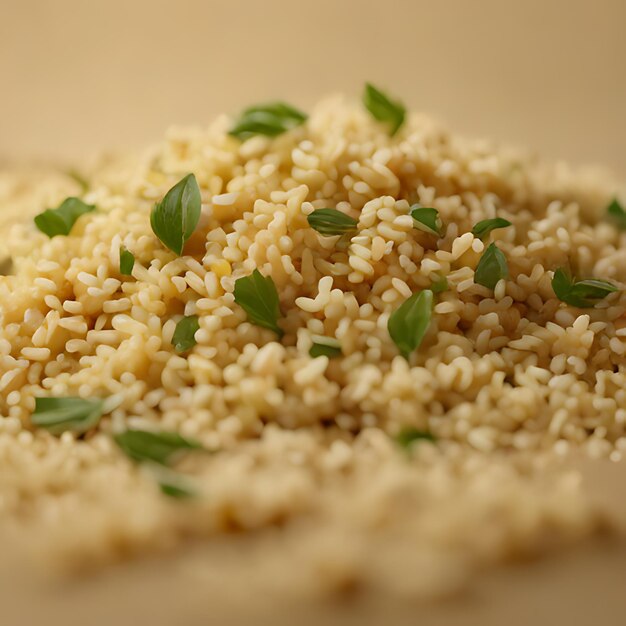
(511, 372)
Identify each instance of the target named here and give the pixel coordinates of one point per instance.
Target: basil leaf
(58, 415)
(483, 228)
(582, 293)
(439, 285)
(329, 222)
(617, 213)
(270, 119)
(257, 296)
(127, 262)
(325, 346)
(408, 436)
(174, 219)
(175, 490)
(383, 109)
(561, 284)
(59, 221)
(185, 332)
(426, 219)
(158, 447)
(491, 267)
(409, 322)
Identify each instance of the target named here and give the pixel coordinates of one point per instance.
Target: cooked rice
(514, 372)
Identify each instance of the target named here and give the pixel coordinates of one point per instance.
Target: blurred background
(80, 76)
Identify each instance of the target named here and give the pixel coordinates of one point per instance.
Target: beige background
(83, 75)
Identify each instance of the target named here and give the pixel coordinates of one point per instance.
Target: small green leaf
(583, 294)
(439, 285)
(409, 322)
(561, 284)
(157, 447)
(174, 490)
(325, 346)
(58, 415)
(59, 221)
(127, 262)
(484, 227)
(329, 222)
(383, 109)
(426, 219)
(185, 333)
(491, 267)
(174, 219)
(408, 436)
(617, 213)
(270, 119)
(258, 297)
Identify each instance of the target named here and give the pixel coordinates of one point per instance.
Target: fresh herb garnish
(426, 219)
(491, 267)
(580, 293)
(409, 322)
(270, 119)
(157, 447)
(175, 489)
(59, 221)
(439, 285)
(484, 227)
(58, 415)
(184, 333)
(617, 213)
(174, 219)
(325, 346)
(383, 109)
(409, 435)
(329, 222)
(127, 261)
(257, 296)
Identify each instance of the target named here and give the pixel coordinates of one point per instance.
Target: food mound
(349, 323)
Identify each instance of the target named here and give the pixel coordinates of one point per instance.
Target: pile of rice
(507, 381)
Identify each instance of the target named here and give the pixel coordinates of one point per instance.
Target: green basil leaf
(617, 213)
(270, 119)
(491, 267)
(583, 294)
(59, 221)
(329, 222)
(407, 436)
(561, 284)
(409, 322)
(127, 262)
(484, 227)
(157, 447)
(426, 219)
(325, 346)
(184, 337)
(174, 219)
(439, 285)
(58, 415)
(383, 109)
(176, 490)
(257, 296)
